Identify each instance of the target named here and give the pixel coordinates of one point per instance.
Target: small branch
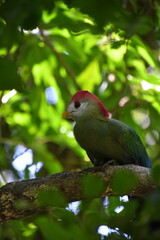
(59, 57)
(136, 103)
(11, 141)
(69, 184)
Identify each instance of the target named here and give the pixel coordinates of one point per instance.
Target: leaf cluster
(48, 51)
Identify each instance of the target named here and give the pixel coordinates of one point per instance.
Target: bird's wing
(133, 147)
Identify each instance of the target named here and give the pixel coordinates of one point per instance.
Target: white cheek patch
(71, 107)
(81, 109)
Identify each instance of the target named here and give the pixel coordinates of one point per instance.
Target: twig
(136, 103)
(59, 57)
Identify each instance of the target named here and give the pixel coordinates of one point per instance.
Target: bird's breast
(97, 138)
(91, 135)
(84, 134)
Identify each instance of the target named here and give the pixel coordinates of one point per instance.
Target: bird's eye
(77, 104)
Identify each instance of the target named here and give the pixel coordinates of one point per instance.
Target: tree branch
(69, 184)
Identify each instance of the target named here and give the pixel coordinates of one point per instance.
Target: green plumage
(109, 139)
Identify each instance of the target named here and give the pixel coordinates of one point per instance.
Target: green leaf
(114, 202)
(146, 55)
(92, 186)
(47, 227)
(51, 198)
(123, 182)
(156, 171)
(90, 76)
(9, 78)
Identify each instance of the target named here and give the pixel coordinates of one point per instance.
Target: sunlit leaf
(90, 76)
(147, 57)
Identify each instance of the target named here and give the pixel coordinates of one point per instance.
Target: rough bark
(69, 184)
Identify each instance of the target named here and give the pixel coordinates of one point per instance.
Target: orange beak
(65, 115)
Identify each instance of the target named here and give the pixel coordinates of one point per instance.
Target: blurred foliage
(48, 51)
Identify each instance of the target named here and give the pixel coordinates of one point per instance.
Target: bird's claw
(110, 163)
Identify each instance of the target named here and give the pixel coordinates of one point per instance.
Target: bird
(106, 140)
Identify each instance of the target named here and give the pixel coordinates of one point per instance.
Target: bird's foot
(110, 163)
